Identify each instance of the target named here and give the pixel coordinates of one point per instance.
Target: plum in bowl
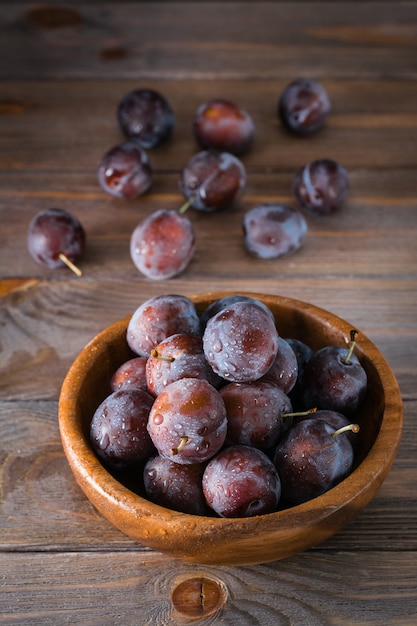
(240, 540)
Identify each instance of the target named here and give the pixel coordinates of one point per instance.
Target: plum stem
(63, 257)
(186, 205)
(354, 428)
(347, 358)
(300, 413)
(155, 354)
(182, 443)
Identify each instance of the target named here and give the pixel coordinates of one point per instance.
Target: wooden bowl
(222, 541)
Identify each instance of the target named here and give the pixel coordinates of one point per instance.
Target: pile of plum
(218, 414)
(163, 243)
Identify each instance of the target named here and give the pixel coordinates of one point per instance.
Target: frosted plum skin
(189, 411)
(273, 230)
(162, 245)
(241, 342)
(329, 383)
(118, 432)
(241, 481)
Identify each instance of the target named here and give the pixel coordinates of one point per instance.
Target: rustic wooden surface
(63, 69)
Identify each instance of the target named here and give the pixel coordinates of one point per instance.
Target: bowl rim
(359, 486)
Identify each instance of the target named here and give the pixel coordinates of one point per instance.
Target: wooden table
(63, 70)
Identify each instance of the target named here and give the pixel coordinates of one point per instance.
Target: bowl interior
(215, 540)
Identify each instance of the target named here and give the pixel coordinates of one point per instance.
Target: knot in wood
(199, 597)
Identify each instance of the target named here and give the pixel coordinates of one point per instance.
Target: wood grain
(385, 121)
(206, 39)
(317, 588)
(62, 74)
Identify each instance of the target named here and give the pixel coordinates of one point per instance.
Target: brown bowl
(241, 541)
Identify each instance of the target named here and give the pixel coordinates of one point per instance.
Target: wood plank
(205, 40)
(115, 587)
(334, 253)
(385, 224)
(68, 125)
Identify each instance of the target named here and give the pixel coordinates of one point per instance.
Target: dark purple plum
(125, 171)
(254, 413)
(335, 419)
(56, 238)
(175, 486)
(303, 106)
(303, 353)
(118, 430)
(223, 125)
(311, 458)
(241, 481)
(334, 379)
(146, 116)
(212, 180)
(321, 187)
(284, 371)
